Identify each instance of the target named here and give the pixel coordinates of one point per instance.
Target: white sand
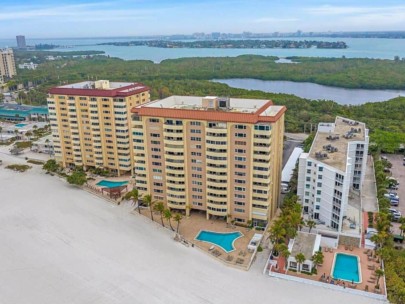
(62, 245)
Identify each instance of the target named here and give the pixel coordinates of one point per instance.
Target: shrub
(19, 168)
(259, 248)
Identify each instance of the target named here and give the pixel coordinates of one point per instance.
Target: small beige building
(307, 244)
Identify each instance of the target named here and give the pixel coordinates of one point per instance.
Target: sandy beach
(59, 244)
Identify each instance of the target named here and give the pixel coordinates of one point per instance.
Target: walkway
(369, 191)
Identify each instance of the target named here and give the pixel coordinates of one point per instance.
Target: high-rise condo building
(221, 156)
(90, 123)
(21, 42)
(331, 175)
(7, 63)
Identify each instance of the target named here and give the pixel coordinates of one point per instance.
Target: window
(319, 184)
(321, 169)
(239, 210)
(240, 151)
(240, 189)
(240, 127)
(153, 120)
(240, 158)
(309, 164)
(262, 127)
(195, 123)
(240, 181)
(195, 138)
(308, 171)
(318, 192)
(308, 179)
(240, 134)
(240, 143)
(237, 166)
(195, 131)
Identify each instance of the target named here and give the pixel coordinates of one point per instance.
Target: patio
(192, 225)
(368, 265)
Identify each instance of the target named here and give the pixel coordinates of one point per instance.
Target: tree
(160, 207)
(134, 196)
(167, 214)
(1, 135)
(51, 166)
(402, 227)
(78, 178)
(317, 258)
(311, 224)
(177, 218)
(379, 273)
(277, 232)
(300, 258)
(147, 199)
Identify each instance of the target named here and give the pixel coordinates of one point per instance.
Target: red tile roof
(118, 92)
(211, 115)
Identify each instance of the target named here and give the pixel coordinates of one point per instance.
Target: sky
(100, 18)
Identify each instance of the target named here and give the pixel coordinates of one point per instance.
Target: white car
(391, 195)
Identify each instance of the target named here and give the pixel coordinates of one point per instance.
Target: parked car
(394, 202)
(384, 158)
(391, 196)
(387, 170)
(393, 187)
(396, 214)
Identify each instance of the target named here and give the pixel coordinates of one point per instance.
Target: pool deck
(191, 226)
(327, 268)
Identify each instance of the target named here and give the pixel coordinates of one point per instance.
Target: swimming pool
(20, 125)
(110, 184)
(346, 267)
(221, 239)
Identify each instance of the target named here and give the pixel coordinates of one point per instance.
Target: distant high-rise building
(21, 42)
(7, 64)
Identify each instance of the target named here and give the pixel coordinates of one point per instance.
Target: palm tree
(277, 232)
(311, 224)
(300, 258)
(167, 214)
(301, 223)
(317, 259)
(147, 199)
(379, 273)
(134, 195)
(160, 207)
(177, 218)
(1, 135)
(402, 227)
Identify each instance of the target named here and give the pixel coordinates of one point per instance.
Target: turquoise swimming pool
(224, 240)
(110, 184)
(346, 267)
(20, 125)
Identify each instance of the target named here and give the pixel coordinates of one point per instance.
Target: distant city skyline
(95, 18)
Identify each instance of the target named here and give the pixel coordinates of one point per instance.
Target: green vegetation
(35, 162)
(23, 144)
(51, 166)
(394, 259)
(190, 76)
(19, 168)
(78, 177)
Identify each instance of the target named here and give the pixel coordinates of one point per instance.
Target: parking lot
(398, 172)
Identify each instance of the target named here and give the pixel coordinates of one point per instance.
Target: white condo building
(331, 175)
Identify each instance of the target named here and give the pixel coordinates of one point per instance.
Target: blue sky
(98, 18)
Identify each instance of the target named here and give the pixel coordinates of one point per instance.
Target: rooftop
(305, 243)
(102, 88)
(213, 108)
(331, 141)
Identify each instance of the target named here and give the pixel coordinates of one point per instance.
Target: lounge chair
(346, 247)
(212, 248)
(229, 258)
(366, 288)
(351, 247)
(371, 281)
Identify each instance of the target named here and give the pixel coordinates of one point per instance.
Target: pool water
(110, 184)
(346, 267)
(223, 240)
(20, 125)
